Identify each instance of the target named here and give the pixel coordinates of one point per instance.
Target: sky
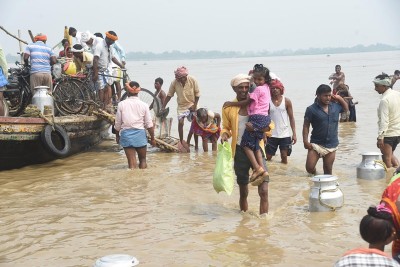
(225, 25)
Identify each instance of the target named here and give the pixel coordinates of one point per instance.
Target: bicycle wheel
(17, 101)
(88, 93)
(68, 97)
(149, 98)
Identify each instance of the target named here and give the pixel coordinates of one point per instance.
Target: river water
(73, 211)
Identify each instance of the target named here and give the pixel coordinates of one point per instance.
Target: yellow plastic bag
(223, 178)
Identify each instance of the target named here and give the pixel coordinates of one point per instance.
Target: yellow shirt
(185, 95)
(230, 126)
(87, 60)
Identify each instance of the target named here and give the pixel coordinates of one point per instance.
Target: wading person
(234, 122)
(284, 133)
(132, 119)
(388, 120)
(337, 78)
(188, 93)
(323, 116)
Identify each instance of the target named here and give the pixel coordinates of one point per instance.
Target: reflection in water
(72, 211)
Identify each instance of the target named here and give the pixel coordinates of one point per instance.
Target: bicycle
(68, 96)
(18, 94)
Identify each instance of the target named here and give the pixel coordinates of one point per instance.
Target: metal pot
(325, 194)
(371, 167)
(116, 260)
(42, 97)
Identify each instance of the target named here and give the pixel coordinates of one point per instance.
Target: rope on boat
(34, 112)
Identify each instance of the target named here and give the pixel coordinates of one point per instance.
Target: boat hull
(21, 144)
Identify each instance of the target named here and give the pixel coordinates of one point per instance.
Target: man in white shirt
(102, 58)
(388, 120)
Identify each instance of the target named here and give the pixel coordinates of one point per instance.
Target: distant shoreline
(215, 54)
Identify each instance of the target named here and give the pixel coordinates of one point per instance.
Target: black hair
(338, 66)
(99, 34)
(133, 83)
(112, 33)
(77, 46)
(322, 89)
(201, 112)
(382, 76)
(397, 72)
(259, 69)
(63, 41)
(71, 30)
(159, 80)
(377, 226)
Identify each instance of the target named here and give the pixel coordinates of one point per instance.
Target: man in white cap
(234, 122)
(388, 120)
(82, 59)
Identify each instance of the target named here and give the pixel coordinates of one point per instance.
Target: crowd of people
(257, 122)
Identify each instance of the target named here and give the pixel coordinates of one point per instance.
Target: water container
(42, 98)
(116, 260)
(325, 194)
(371, 167)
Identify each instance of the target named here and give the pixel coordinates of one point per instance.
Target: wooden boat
(22, 140)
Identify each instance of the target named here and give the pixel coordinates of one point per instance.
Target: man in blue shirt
(42, 57)
(323, 116)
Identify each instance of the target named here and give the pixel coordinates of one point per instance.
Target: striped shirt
(40, 55)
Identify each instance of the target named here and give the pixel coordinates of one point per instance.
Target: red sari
(389, 198)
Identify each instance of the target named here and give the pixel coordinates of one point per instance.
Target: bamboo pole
(12, 35)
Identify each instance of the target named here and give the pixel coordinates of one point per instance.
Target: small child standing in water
(207, 125)
(258, 110)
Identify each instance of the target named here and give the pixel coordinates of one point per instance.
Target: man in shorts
(188, 93)
(388, 120)
(234, 122)
(284, 133)
(102, 58)
(323, 116)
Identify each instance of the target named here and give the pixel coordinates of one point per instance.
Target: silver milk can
(116, 260)
(371, 166)
(42, 97)
(325, 194)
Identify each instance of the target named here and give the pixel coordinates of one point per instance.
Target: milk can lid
(41, 87)
(116, 260)
(371, 154)
(324, 178)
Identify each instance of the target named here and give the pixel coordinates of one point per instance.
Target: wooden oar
(12, 35)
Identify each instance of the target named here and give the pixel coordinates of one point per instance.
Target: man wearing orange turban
(41, 57)
(188, 93)
(281, 112)
(102, 68)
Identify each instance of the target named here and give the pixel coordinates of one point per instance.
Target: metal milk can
(325, 194)
(371, 166)
(116, 260)
(42, 97)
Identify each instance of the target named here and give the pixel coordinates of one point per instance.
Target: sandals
(258, 176)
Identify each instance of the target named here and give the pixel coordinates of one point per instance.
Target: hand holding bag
(223, 178)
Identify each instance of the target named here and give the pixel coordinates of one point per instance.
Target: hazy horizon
(261, 25)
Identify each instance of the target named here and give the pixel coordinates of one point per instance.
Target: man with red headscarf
(284, 133)
(102, 68)
(132, 119)
(188, 93)
(41, 57)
